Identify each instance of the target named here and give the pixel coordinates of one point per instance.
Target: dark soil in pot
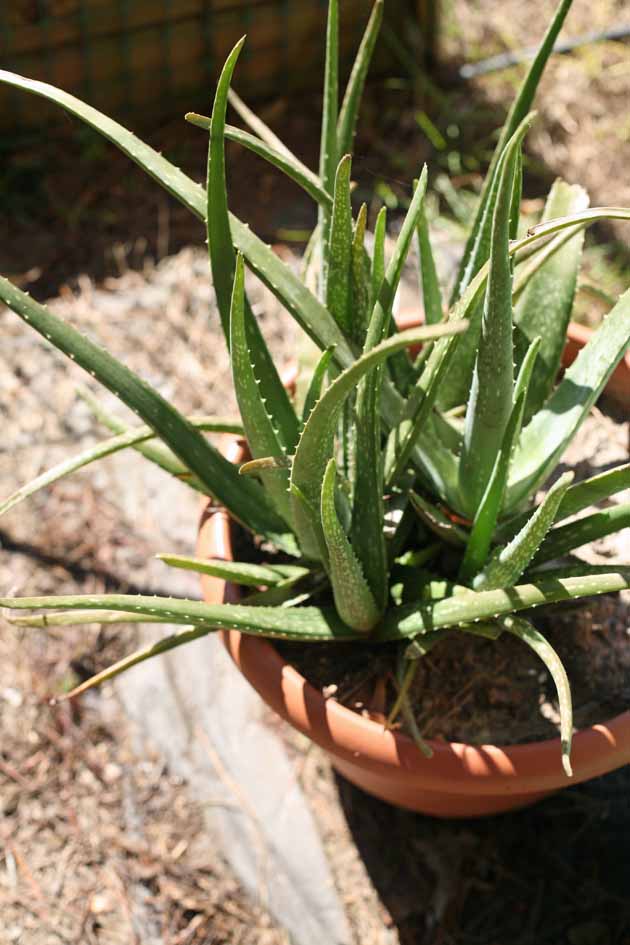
(476, 691)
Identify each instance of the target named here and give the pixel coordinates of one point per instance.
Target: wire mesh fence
(144, 57)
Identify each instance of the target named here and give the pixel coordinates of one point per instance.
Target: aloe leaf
(328, 154)
(404, 678)
(156, 452)
(302, 623)
(507, 564)
(410, 620)
(290, 166)
(475, 252)
(550, 227)
(360, 277)
(74, 617)
(244, 499)
(317, 381)
(367, 533)
(378, 257)
(250, 575)
(381, 313)
(316, 442)
(340, 248)
(257, 125)
(487, 631)
(578, 497)
(167, 643)
(417, 426)
(490, 402)
(424, 644)
(85, 458)
(565, 538)
(438, 522)
(288, 593)
(522, 629)
(222, 253)
(590, 491)
(544, 307)
(254, 467)
(276, 275)
(547, 435)
(353, 598)
(488, 512)
(532, 259)
(348, 114)
(261, 426)
(367, 512)
(429, 282)
(223, 264)
(578, 568)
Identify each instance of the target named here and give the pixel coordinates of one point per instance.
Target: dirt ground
(101, 846)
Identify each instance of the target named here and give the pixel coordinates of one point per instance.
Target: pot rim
(456, 768)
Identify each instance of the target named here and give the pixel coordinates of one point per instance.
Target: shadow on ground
(556, 873)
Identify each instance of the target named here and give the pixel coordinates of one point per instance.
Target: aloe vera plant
(433, 461)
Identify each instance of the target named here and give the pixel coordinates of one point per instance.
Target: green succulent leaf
(485, 520)
(410, 620)
(318, 377)
(546, 437)
(257, 125)
(367, 533)
(590, 491)
(565, 538)
(302, 623)
(156, 452)
(250, 575)
(381, 313)
(353, 598)
(439, 523)
(477, 246)
(507, 564)
(578, 568)
(261, 426)
(244, 499)
(490, 402)
(131, 438)
(429, 282)
(315, 447)
(348, 114)
(328, 153)
(77, 617)
(290, 166)
(378, 257)
(170, 642)
(578, 497)
(338, 296)
(545, 305)
(549, 228)
(531, 260)
(361, 278)
(254, 467)
(523, 629)
(223, 264)
(221, 249)
(405, 674)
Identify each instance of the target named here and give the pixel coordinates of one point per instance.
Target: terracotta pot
(460, 780)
